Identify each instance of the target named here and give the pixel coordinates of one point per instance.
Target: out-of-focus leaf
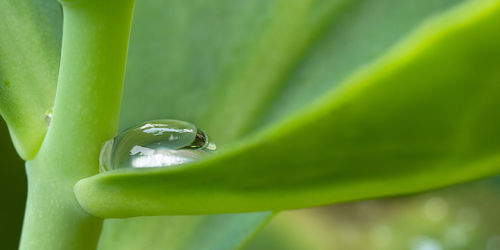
(232, 67)
(424, 115)
(29, 58)
(30, 39)
(460, 217)
(217, 232)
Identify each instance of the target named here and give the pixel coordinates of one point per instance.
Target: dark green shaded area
(12, 190)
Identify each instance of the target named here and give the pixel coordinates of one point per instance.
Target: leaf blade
(183, 232)
(349, 121)
(29, 62)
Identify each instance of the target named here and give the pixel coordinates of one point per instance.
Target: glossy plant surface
(158, 143)
(310, 102)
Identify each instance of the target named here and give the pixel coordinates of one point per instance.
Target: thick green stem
(95, 40)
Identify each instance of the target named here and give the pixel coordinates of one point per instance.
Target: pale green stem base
(87, 105)
(53, 218)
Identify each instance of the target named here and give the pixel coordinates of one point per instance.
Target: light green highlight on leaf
(372, 137)
(30, 39)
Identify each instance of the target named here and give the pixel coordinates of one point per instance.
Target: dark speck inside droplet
(200, 140)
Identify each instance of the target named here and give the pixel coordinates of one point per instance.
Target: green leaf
(421, 116)
(217, 232)
(237, 68)
(29, 62)
(29, 58)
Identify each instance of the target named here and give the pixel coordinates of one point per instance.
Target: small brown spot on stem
(48, 116)
(6, 82)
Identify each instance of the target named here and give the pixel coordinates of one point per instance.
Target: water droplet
(158, 143)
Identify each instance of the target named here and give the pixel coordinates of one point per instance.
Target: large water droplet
(158, 143)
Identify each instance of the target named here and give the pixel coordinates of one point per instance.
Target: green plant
(310, 102)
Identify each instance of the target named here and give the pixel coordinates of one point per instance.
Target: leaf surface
(29, 61)
(30, 42)
(420, 116)
(311, 102)
(217, 232)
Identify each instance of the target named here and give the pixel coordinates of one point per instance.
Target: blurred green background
(459, 217)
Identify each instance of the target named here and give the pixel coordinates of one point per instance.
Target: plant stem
(94, 49)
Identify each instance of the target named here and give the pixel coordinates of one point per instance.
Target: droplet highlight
(158, 143)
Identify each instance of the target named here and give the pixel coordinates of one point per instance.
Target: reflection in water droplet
(158, 143)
